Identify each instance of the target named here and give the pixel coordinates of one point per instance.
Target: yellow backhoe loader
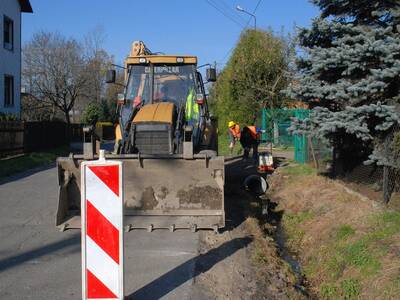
(167, 142)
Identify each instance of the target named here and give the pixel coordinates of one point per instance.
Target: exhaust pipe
(256, 184)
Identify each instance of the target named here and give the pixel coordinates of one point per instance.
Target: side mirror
(110, 76)
(211, 75)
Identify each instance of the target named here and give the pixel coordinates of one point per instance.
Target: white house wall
(10, 61)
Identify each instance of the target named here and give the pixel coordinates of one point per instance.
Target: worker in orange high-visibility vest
(234, 134)
(250, 139)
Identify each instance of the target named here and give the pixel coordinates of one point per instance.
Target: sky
(208, 29)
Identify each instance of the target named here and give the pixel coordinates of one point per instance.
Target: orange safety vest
(253, 131)
(235, 131)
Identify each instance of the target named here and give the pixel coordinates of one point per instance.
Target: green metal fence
(275, 122)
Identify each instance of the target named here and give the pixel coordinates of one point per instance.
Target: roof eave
(26, 6)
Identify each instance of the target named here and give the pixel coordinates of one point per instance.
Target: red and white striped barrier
(102, 230)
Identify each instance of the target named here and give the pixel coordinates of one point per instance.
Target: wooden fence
(18, 137)
(23, 137)
(11, 138)
(44, 135)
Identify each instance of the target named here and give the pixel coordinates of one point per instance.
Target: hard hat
(231, 123)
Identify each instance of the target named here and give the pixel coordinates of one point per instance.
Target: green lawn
(18, 164)
(223, 146)
(299, 169)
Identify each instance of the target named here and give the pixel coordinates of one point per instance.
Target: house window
(8, 91)
(8, 33)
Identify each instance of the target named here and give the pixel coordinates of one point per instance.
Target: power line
(232, 10)
(224, 13)
(222, 61)
(255, 9)
(222, 5)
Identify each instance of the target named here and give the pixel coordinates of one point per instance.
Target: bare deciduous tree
(98, 62)
(55, 70)
(33, 109)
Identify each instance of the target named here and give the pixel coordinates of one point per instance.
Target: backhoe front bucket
(159, 192)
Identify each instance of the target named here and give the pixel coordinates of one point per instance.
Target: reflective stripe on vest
(192, 108)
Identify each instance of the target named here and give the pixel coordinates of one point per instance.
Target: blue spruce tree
(350, 67)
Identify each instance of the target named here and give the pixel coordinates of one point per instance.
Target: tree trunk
(334, 161)
(68, 128)
(386, 184)
(53, 112)
(388, 174)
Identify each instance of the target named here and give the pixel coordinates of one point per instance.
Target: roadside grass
(223, 146)
(344, 231)
(32, 160)
(283, 148)
(299, 170)
(348, 248)
(294, 232)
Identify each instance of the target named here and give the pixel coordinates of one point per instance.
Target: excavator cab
(153, 84)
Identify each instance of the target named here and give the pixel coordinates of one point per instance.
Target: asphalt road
(39, 262)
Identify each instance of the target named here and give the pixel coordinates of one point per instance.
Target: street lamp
(239, 8)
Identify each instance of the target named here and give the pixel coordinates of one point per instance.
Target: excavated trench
(280, 239)
(247, 204)
(272, 220)
(257, 185)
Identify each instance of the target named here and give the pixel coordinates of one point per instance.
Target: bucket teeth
(63, 227)
(216, 229)
(128, 228)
